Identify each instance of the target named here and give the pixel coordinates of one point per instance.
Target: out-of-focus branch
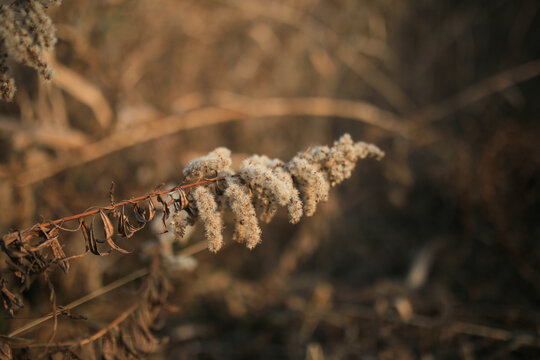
(84, 91)
(478, 91)
(57, 137)
(347, 53)
(237, 108)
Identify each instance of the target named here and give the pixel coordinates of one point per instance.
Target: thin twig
(94, 294)
(426, 322)
(92, 338)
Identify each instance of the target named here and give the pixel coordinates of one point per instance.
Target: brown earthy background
(431, 253)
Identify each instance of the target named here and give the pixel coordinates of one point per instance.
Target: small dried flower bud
(338, 162)
(211, 165)
(264, 182)
(211, 218)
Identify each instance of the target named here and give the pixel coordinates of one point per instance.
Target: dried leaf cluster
(211, 187)
(26, 32)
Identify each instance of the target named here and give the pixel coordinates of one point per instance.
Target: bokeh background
(432, 253)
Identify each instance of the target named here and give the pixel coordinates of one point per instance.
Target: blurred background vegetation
(432, 253)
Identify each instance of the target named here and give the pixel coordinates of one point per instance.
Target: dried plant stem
(188, 251)
(97, 293)
(9, 240)
(89, 339)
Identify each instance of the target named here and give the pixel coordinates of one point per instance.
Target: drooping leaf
(145, 215)
(90, 239)
(166, 213)
(9, 300)
(59, 255)
(182, 199)
(109, 232)
(49, 235)
(125, 228)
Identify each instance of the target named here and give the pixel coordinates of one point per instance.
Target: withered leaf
(59, 255)
(143, 341)
(126, 340)
(166, 213)
(9, 299)
(90, 238)
(5, 352)
(142, 215)
(125, 229)
(49, 235)
(110, 349)
(109, 232)
(182, 202)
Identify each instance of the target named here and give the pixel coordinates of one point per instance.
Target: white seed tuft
(247, 228)
(214, 164)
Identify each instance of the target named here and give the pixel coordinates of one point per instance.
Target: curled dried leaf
(166, 213)
(125, 228)
(9, 300)
(144, 215)
(59, 255)
(49, 235)
(109, 232)
(90, 238)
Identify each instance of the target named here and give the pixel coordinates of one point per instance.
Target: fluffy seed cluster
(216, 163)
(263, 185)
(26, 31)
(247, 228)
(208, 213)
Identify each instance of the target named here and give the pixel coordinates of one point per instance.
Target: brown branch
(10, 237)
